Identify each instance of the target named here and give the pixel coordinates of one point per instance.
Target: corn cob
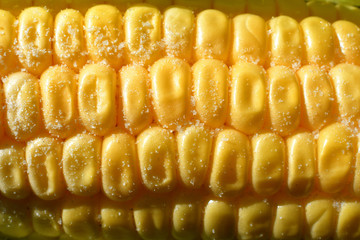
(135, 122)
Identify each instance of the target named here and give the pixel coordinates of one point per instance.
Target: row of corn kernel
(142, 38)
(174, 95)
(270, 8)
(226, 164)
(183, 216)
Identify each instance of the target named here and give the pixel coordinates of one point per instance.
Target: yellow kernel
(81, 164)
(335, 157)
(119, 166)
(156, 150)
(22, 98)
(231, 156)
(318, 41)
(210, 79)
(43, 156)
(264, 8)
(268, 163)
(2, 117)
(301, 163)
(13, 177)
(7, 43)
(152, 218)
(349, 13)
(46, 217)
(317, 97)
(96, 98)
(117, 221)
(348, 41)
(348, 221)
(284, 100)
(69, 44)
(247, 97)
(288, 221)
(58, 98)
(347, 88)
(35, 32)
(136, 105)
(324, 9)
(356, 182)
(194, 5)
(249, 40)
(79, 218)
(53, 6)
(170, 84)
(320, 216)
(83, 6)
(219, 220)
(123, 5)
(104, 35)
(179, 30)
(186, 217)
(285, 42)
(212, 35)
(194, 147)
(254, 220)
(143, 34)
(15, 218)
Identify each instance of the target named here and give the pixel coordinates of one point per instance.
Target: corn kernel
(79, 218)
(348, 41)
(219, 221)
(284, 100)
(348, 13)
(210, 79)
(288, 221)
(301, 163)
(152, 219)
(249, 39)
(53, 6)
(46, 217)
(2, 119)
(194, 5)
(285, 42)
(22, 98)
(119, 166)
(81, 164)
(212, 35)
(264, 8)
(318, 41)
(324, 9)
(83, 6)
(320, 218)
(268, 163)
(96, 98)
(356, 182)
(247, 97)
(194, 146)
(143, 34)
(186, 217)
(58, 98)
(135, 106)
(179, 30)
(170, 83)
(348, 226)
(15, 218)
(156, 150)
(117, 221)
(43, 156)
(69, 44)
(254, 220)
(347, 88)
(317, 97)
(104, 34)
(35, 32)
(13, 178)
(7, 43)
(230, 163)
(335, 157)
(123, 5)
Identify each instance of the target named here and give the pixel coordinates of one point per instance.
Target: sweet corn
(127, 120)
